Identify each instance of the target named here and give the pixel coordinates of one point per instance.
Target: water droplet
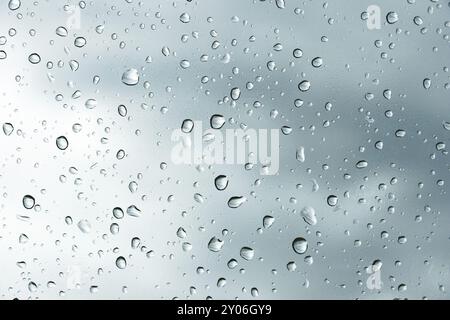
(130, 77)
(268, 221)
(317, 62)
(215, 244)
(221, 182)
(187, 126)
(118, 213)
(185, 18)
(297, 53)
(332, 200)
(34, 58)
(8, 129)
(14, 4)
(280, 4)
(235, 93)
(32, 287)
(309, 215)
(392, 17)
(300, 245)
(217, 121)
(62, 143)
(84, 225)
(236, 202)
(304, 85)
(300, 154)
(28, 202)
(79, 42)
(361, 164)
(61, 31)
(133, 211)
(121, 263)
(247, 253)
(91, 104)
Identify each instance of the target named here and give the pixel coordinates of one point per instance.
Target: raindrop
(8, 129)
(14, 4)
(300, 245)
(392, 17)
(62, 143)
(133, 211)
(268, 221)
(236, 202)
(34, 58)
(84, 225)
(187, 126)
(247, 253)
(317, 62)
(217, 121)
(332, 200)
(304, 85)
(309, 215)
(235, 93)
(215, 244)
(130, 77)
(221, 182)
(28, 202)
(121, 263)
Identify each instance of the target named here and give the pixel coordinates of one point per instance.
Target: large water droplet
(392, 17)
(247, 253)
(121, 263)
(332, 200)
(309, 215)
(221, 182)
(300, 245)
(236, 202)
(130, 77)
(187, 125)
(14, 4)
(215, 244)
(217, 121)
(28, 201)
(34, 58)
(133, 211)
(8, 128)
(62, 143)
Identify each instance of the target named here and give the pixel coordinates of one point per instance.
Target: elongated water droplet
(309, 215)
(268, 221)
(236, 202)
(133, 211)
